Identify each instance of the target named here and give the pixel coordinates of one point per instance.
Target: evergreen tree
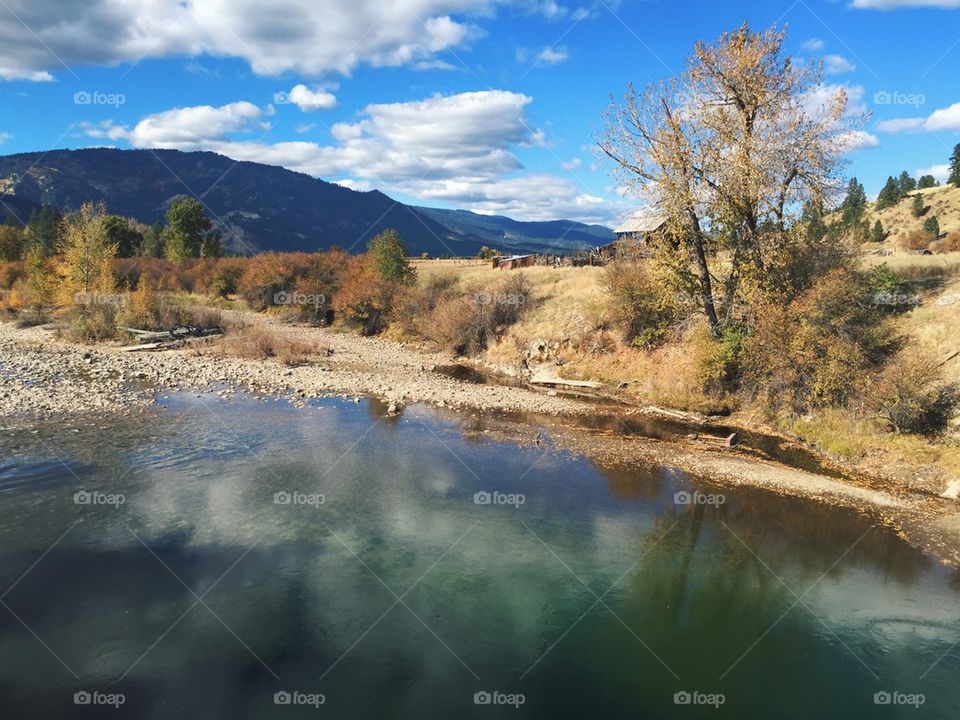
(153, 241)
(890, 195)
(212, 245)
(918, 208)
(854, 204)
(186, 225)
(906, 184)
(954, 178)
(811, 216)
(932, 226)
(11, 243)
(927, 181)
(45, 227)
(124, 235)
(878, 234)
(387, 257)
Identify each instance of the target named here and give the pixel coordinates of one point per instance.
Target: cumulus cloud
(571, 165)
(814, 45)
(308, 100)
(545, 56)
(894, 4)
(858, 140)
(940, 172)
(456, 149)
(947, 118)
(190, 128)
(837, 65)
(303, 36)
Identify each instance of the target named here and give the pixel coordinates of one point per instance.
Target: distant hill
(943, 202)
(260, 207)
(505, 233)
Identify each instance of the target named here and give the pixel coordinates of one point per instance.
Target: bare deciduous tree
(728, 152)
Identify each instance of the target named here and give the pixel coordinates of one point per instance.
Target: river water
(250, 559)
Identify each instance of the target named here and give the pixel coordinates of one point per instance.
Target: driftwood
(731, 440)
(169, 340)
(545, 377)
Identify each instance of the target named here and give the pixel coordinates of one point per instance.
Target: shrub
(911, 396)
(151, 309)
(92, 323)
(718, 359)
(815, 350)
(915, 240)
(270, 277)
(261, 342)
(364, 300)
(415, 304)
(639, 307)
(951, 243)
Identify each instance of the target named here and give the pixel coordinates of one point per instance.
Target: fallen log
(545, 377)
(167, 344)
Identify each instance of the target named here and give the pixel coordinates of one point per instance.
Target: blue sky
(490, 105)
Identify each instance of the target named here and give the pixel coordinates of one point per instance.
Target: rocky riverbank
(44, 377)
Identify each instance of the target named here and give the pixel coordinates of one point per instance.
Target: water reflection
(200, 596)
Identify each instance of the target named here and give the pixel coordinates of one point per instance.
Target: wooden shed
(633, 237)
(514, 261)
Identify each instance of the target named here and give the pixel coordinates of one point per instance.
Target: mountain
(258, 207)
(503, 233)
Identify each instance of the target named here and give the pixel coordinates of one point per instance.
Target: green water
(398, 596)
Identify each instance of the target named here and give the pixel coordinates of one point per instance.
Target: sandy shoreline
(44, 378)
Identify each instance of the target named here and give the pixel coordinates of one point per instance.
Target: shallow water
(202, 596)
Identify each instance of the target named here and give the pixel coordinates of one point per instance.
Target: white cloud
(456, 149)
(546, 56)
(308, 100)
(894, 4)
(899, 125)
(837, 65)
(4, 136)
(940, 172)
(947, 118)
(305, 128)
(571, 165)
(190, 128)
(552, 56)
(302, 36)
(858, 140)
(814, 45)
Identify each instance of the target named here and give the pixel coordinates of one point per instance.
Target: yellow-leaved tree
(86, 255)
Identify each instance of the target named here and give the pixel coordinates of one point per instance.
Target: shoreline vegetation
(764, 298)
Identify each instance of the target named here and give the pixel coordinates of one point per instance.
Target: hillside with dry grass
(899, 221)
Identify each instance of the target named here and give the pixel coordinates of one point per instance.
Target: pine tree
(855, 203)
(932, 226)
(878, 234)
(954, 178)
(918, 207)
(906, 184)
(890, 195)
(927, 181)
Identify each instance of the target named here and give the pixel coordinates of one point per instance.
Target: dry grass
(261, 342)
(944, 202)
